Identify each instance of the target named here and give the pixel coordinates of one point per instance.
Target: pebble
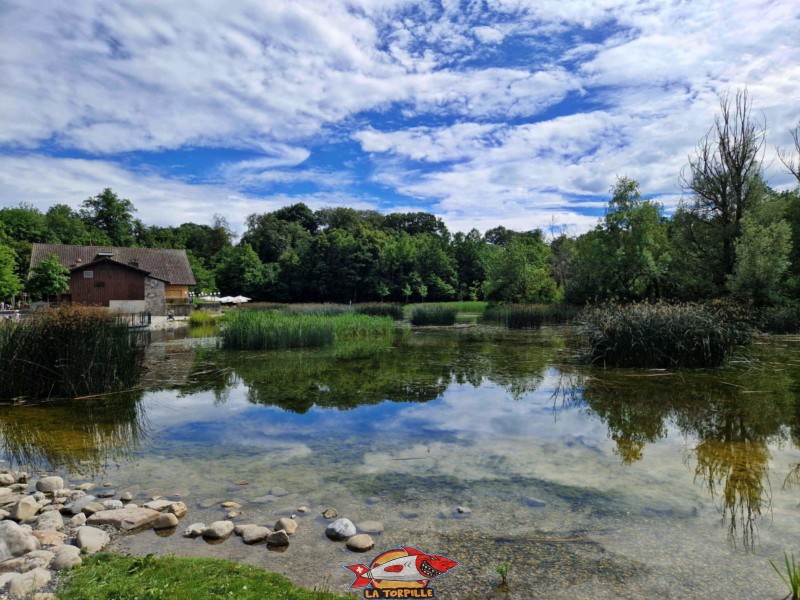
(330, 513)
(372, 500)
(233, 514)
(340, 529)
(230, 504)
(78, 505)
(194, 530)
(158, 505)
(287, 525)
(84, 487)
(360, 543)
(302, 509)
(126, 497)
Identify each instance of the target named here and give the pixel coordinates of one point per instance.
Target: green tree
(205, 277)
(48, 277)
(111, 217)
(10, 284)
(66, 226)
(520, 271)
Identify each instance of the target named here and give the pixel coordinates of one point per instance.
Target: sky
(519, 113)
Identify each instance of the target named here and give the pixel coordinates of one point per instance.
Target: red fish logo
(405, 567)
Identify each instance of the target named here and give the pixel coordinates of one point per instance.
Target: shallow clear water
(590, 483)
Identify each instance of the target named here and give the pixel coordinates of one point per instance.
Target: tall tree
(48, 277)
(723, 175)
(10, 284)
(789, 158)
(520, 271)
(111, 216)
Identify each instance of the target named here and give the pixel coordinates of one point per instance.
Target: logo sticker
(400, 573)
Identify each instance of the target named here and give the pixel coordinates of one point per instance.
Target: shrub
(395, 311)
(68, 352)
(660, 335)
(433, 315)
(200, 318)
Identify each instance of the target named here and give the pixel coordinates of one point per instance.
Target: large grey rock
(340, 529)
(15, 541)
(253, 534)
(25, 584)
(48, 485)
(66, 557)
(77, 506)
(278, 538)
(167, 521)
(92, 539)
(194, 530)
(24, 509)
(124, 518)
(286, 524)
(218, 530)
(50, 520)
(360, 543)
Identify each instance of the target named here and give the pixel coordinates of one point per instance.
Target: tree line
(731, 236)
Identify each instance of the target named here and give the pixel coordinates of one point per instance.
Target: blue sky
(507, 112)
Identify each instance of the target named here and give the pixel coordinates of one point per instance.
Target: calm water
(590, 483)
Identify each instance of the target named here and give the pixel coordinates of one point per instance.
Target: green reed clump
(264, 330)
(201, 318)
(529, 316)
(68, 352)
(779, 319)
(395, 311)
(433, 315)
(659, 335)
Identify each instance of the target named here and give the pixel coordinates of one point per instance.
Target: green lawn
(114, 577)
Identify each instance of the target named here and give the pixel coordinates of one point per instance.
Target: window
(88, 274)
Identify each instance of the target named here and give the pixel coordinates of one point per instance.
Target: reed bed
(659, 335)
(779, 319)
(68, 352)
(395, 311)
(265, 330)
(529, 316)
(201, 318)
(433, 315)
(319, 310)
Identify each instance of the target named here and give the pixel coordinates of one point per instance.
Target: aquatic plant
(502, 570)
(200, 318)
(433, 315)
(264, 330)
(792, 577)
(529, 316)
(68, 352)
(660, 335)
(395, 311)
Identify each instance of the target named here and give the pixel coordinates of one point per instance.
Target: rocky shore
(47, 525)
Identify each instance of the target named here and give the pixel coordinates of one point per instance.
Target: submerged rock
(330, 513)
(370, 526)
(278, 538)
(360, 543)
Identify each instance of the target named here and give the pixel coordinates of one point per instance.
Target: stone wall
(154, 296)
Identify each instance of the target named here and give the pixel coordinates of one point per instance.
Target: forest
(732, 236)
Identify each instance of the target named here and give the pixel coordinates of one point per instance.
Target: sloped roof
(169, 265)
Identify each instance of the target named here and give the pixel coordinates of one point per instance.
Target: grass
(792, 577)
(265, 330)
(433, 315)
(201, 318)
(529, 316)
(111, 577)
(68, 352)
(660, 335)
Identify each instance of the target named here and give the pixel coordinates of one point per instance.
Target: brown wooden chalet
(126, 279)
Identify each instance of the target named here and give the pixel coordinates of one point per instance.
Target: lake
(590, 483)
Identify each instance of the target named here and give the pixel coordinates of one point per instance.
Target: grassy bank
(112, 577)
(265, 330)
(68, 352)
(661, 335)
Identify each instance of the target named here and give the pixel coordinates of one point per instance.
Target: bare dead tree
(723, 174)
(792, 160)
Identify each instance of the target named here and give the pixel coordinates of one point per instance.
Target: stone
(278, 538)
(77, 520)
(38, 496)
(178, 509)
(230, 504)
(5, 578)
(24, 509)
(92, 539)
(4, 514)
(218, 530)
(15, 541)
(278, 492)
(106, 493)
(370, 526)
(194, 530)
(124, 518)
(66, 559)
(22, 477)
(4, 491)
(209, 502)
(409, 514)
(84, 487)
(330, 513)
(49, 537)
(7, 479)
(113, 504)
(158, 505)
(255, 534)
(51, 520)
(360, 543)
(38, 559)
(49, 485)
(126, 497)
(372, 500)
(26, 583)
(93, 507)
(76, 506)
(167, 521)
(302, 509)
(18, 487)
(461, 512)
(287, 525)
(534, 502)
(233, 514)
(340, 529)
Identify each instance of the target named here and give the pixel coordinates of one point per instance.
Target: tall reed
(529, 316)
(395, 311)
(200, 318)
(660, 335)
(68, 352)
(433, 315)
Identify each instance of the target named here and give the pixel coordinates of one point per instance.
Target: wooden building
(124, 279)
